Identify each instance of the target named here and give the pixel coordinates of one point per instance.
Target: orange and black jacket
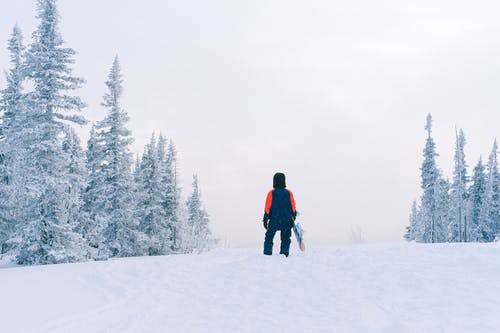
(280, 207)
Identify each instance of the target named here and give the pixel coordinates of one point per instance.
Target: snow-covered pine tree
(121, 235)
(12, 97)
(495, 194)
(413, 222)
(11, 121)
(476, 197)
(429, 178)
(198, 221)
(95, 219)
(153, 220)
(458, 209)
(6, 222)
(442, 204)
(45, 232)
(48, 65)
(490, 209)
(77, 174)
(167, 157)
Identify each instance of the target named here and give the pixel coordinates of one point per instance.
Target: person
(279, 215)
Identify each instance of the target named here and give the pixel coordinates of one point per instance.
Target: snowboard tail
(299, 235)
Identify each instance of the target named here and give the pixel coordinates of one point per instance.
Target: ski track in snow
(359, 288)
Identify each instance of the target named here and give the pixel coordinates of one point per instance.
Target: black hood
(279, 180)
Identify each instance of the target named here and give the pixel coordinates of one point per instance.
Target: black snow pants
(286, 233)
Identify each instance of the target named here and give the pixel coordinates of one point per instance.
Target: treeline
(59, 203)
(467, 209)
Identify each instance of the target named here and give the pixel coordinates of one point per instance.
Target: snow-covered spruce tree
(170, 197)
(413, 222)
(11, 121)
(116, 191)
(476, 197)
(490, 209)
(442, 204)
(12, 97)
(496, 200)
(153, 220)
(458, 213)
(45, 232)
(198, 222)
(495, 193)
(428, 184)
(93, 199)
(77, 174)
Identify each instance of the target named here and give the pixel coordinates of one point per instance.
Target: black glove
(265, 220)
(292, 219)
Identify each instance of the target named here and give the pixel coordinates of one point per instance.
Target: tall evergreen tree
(458, 213)
(442, 201)
(171, 192)
(121, 232)
(93, 197)
(413, 222)
(11, 122)
(494, 174)
(77, 175)
(429, 180)
(45, 233)
(490, 209)
(12, 96)
(198, 221)
(151, 213)
(476, 198)
(48, 65)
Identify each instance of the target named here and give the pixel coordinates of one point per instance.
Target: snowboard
(299, 234)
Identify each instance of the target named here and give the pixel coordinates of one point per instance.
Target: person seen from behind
(279, 215)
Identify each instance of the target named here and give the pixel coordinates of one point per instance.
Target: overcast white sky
(332, 93)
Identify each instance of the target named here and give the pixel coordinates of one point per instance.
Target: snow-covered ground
(359, 288)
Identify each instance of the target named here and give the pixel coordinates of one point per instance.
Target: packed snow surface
(358, 288)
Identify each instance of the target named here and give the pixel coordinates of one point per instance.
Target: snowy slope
(364, 288)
